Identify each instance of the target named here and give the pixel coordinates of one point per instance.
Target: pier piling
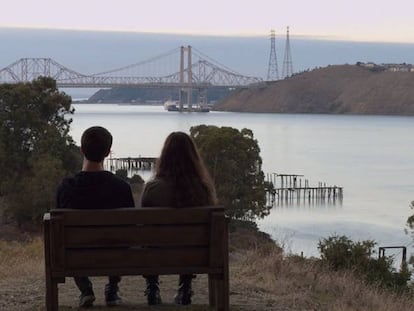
(287, 189)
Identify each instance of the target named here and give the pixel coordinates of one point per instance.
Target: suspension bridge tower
(189, 81)
(272, 71)
(287, 69)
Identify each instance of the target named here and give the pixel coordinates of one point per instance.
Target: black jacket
(94, 190)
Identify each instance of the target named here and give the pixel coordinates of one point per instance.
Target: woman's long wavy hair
(181, 164)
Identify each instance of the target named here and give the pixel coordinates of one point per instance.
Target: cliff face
(343, 89)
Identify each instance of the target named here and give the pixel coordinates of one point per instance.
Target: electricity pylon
(287, 69)
(272, 71)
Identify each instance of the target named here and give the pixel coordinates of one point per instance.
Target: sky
(353, 20)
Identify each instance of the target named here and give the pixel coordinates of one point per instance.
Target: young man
(95, 188)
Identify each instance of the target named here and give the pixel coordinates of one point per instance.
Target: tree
(410, 220)
(233, 160)
(410, 225)
(38, 187)
(36, 149)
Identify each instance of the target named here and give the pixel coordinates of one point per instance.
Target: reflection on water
(371, 157)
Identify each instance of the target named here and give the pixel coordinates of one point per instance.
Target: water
(372, 157)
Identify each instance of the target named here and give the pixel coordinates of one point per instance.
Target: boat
(203, 109)
(173, 108)
(171, 105)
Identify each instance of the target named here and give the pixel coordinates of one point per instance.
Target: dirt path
(28, 295)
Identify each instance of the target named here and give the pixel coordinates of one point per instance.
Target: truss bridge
(185, 68)
(168, 69)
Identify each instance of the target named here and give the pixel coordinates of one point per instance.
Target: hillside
(151, 95)
(342, 89)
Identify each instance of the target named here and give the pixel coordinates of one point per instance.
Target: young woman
(181, 180)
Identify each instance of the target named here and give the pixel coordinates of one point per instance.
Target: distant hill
(151, 95)
(340, 89)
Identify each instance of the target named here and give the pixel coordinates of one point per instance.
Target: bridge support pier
(189, 81)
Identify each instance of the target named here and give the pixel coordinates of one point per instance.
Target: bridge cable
(215, 62)
(138, 64)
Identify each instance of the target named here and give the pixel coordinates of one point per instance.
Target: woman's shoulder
(157, 192)
(158, 184)
(156, 181)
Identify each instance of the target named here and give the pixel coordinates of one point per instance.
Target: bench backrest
(132, 241)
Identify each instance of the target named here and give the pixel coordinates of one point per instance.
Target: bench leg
(211, 291)
(226, 292)
(51, 294)
(218, 292)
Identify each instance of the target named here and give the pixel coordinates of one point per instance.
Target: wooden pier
(130, 164)
(292, 188)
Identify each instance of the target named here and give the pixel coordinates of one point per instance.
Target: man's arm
(58, 197)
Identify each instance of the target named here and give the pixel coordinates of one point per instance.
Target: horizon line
(227, 35)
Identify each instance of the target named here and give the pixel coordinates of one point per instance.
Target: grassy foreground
(261, 278)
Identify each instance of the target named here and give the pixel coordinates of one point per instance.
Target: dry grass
(293, 283)
(261, 278)
(20, 258)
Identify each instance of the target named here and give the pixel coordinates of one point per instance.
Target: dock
(281, 189)
(284, 189)
(130, 164)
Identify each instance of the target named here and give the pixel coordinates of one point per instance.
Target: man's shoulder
(116, 179)
(66, 182)
(100, 177)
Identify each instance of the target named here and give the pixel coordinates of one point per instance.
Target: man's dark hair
(96, 143)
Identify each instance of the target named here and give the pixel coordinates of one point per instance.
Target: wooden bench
(137, 241)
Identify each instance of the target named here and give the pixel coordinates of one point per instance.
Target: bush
(340, 253)
(122, 173)
(136, 179)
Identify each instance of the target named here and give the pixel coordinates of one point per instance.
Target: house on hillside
(388, 67)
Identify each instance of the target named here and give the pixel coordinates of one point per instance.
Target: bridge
(184, 68)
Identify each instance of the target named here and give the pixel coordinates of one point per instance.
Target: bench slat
(132, 216)
(143, 257)
(138, 271)
(145, 235)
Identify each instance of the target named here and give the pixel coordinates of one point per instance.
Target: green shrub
(341, 253)
(122, 173)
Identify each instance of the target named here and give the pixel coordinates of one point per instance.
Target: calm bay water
(372, 157)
